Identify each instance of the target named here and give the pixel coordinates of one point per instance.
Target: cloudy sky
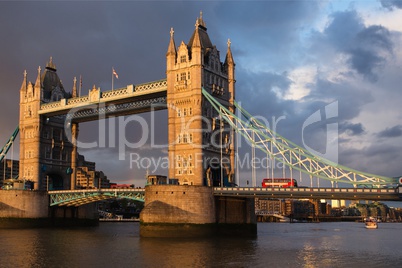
(293, 58)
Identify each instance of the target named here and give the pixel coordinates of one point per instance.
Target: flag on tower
(115, 74)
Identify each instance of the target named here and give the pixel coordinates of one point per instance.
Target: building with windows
(9, 169)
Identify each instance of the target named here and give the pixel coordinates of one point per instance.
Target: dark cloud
(367, 48)
(375, 37)
(368, 52)
(377, 158)
(351, 98)
(266, 29)
(393, 132)
(351, 129)
(391, 4)
(343, 28)
(254, 85)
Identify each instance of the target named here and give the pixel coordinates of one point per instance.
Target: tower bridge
(199, 95)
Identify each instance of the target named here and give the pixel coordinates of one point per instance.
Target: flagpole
(112, 77)
(80, 86)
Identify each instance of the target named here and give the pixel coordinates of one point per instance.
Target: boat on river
(371, 223)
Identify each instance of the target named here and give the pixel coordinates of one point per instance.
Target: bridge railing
(85, 196)
(126, 92)
(380, 194)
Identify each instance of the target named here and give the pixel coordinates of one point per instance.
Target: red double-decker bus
(279, 182)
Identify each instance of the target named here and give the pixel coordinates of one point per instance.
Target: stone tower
(201, 146)
(45, 152)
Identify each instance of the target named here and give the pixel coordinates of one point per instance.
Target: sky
(293, 58)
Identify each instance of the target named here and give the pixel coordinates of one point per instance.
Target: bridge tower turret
(45, 152)
(30, 124)
(196, 134)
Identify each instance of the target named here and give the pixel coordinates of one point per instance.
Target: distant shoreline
(119, 220)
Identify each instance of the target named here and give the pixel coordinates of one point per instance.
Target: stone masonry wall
(23, 204)
(235, 210)
(178, 204)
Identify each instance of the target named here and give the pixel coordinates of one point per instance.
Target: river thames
(111, 244)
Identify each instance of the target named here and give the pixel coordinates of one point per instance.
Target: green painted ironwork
(81, 197)
(8, 144)
(292, 155)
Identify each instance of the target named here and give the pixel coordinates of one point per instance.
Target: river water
(111, 244)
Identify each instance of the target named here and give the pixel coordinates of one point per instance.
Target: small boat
(371, 224)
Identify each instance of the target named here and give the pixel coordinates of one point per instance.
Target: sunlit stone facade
(195, 131)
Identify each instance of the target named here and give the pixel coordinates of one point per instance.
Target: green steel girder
(81, 197)
(292, 155)
(9, 143)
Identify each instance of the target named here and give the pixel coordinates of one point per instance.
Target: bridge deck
(81, 197)
(384, 194)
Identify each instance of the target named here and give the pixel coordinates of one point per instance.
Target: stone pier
(28, 209)
(193, 211)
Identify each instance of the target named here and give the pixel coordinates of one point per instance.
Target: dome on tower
(201, 31)
(52, 87)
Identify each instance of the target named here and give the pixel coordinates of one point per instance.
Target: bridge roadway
(81, 197)
(373, 194)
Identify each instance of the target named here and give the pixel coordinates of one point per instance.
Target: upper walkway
(123, 101)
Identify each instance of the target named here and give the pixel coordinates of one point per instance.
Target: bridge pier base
(193, 211)
(29, 209)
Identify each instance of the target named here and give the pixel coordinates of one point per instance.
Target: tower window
(183, 58)
(46, 134)
(47, 152)
(183, 76)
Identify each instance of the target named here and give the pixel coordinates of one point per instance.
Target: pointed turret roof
(38, 80)
(229, 56)
(50, 81)
(24, 82)
(172, 45)
(200, 36)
